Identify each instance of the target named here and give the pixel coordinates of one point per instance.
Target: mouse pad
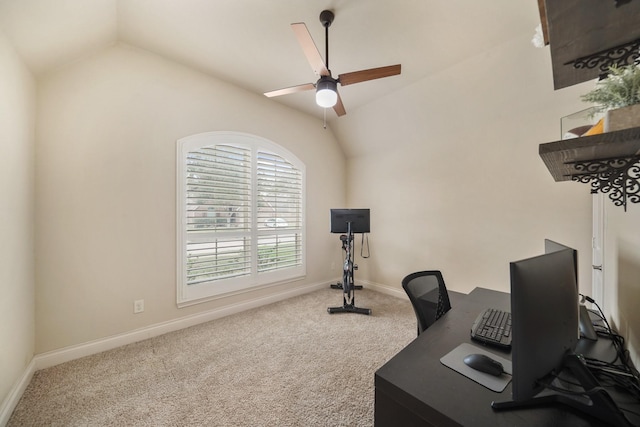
(454, 360)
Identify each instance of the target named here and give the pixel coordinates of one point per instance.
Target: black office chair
(428, 295)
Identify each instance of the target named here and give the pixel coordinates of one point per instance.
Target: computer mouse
(483, 363)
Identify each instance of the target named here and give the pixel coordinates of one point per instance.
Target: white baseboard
(16, 392)
(55, 357)
(396, 292)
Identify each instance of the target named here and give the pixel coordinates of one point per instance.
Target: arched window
(240, 201)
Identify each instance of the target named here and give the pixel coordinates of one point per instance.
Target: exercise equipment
(355, 220)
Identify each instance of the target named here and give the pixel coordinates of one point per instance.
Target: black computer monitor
(544, 311)
(359, 219)
(551, 246)
(585, 323)
(544, 317)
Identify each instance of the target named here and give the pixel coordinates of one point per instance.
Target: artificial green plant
(620, 88)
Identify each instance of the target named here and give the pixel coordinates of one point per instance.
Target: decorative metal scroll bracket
(619, 177)
(622, 55)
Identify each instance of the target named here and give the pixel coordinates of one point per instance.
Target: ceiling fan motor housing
(326, 18)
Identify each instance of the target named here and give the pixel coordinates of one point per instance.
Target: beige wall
(450, 169)
(105, 174)
(17, 111)
(622, 272)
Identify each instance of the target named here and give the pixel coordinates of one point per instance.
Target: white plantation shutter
(218, 213)
(218, 188)
(240, 205)
(279, 186)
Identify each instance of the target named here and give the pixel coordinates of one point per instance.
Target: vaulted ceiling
(250, 42)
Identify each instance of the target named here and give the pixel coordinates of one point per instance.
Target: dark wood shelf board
(559, 155)
(580, 28)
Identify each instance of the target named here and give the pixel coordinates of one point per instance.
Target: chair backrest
(428, 295)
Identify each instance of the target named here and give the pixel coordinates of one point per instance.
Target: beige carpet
(286, 364)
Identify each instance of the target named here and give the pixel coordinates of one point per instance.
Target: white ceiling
(250, 42)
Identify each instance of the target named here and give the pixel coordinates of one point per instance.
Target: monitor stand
(586, 325)
(598, 404)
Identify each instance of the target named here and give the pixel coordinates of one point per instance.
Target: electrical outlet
(138, 306)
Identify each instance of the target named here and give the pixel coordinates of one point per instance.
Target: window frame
(189, 294)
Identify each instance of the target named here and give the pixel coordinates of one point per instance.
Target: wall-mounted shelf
(587, 36)
(609, 161)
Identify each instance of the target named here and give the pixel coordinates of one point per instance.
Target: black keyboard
(493, 327)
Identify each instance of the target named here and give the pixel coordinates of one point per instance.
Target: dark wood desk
(415, 389)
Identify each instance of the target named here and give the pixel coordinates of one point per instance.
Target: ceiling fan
(327, 87)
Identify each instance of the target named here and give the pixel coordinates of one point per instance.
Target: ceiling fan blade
(339, 107)
(288, 90)
(370, 74)
(309, 48)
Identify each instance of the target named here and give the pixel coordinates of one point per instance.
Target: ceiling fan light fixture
(326, 92)
(327, 87)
